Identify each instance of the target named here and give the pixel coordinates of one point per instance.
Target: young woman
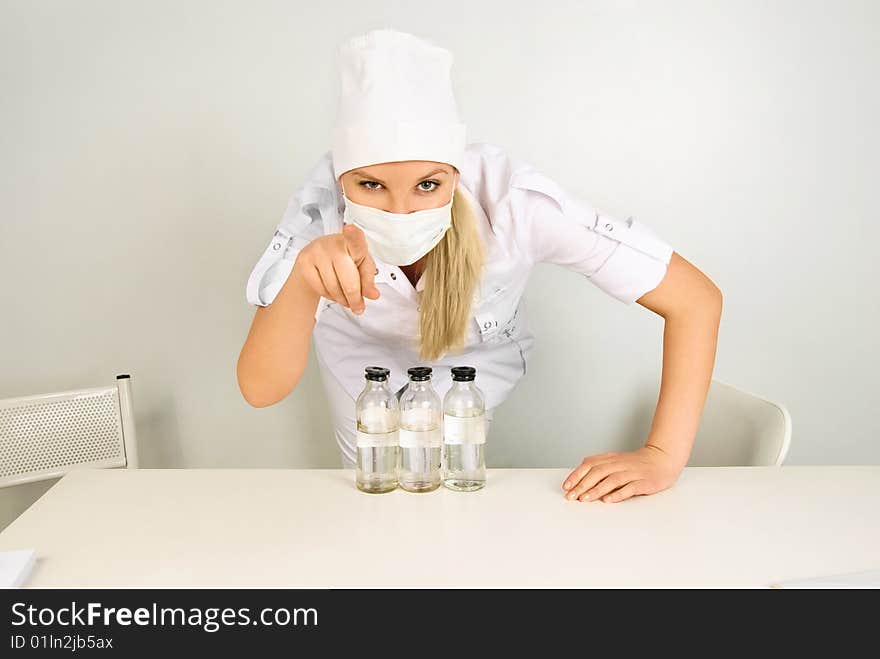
(407, 245)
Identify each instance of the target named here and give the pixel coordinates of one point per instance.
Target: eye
(368, 185)
(434, 183)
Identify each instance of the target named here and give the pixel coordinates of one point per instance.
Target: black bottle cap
(376, 373)
(123, 376)
(420, 373)
(463, 373)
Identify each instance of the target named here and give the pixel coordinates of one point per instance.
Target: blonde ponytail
(452, 271)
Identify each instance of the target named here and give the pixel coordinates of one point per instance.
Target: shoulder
(319, 183)
(511, 190)
(315, 197)
(494, 174)
(486, 169)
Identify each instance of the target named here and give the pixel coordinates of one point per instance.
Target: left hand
(613, 477)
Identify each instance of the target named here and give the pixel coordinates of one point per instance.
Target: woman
(405, 245)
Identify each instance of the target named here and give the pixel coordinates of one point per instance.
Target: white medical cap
(396, 102)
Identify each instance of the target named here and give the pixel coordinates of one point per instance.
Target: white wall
(149, 148)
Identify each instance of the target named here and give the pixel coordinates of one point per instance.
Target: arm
(276, 350)
(337, 267)
(691, 305)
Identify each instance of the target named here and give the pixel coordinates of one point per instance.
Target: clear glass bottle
(464, 433)
(420, 438)
(378, 416)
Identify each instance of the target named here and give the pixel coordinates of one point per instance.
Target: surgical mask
(400, 238)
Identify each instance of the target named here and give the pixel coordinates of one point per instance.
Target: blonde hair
(452, 270)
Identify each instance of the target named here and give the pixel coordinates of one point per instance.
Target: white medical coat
(523, 217)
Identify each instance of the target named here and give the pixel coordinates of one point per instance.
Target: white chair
(738, 428)
(44, 436)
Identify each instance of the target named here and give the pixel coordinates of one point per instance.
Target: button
(276, 246)
(609, 227)
(377, 271)
(393, 276)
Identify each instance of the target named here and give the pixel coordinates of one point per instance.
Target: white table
(727, 527)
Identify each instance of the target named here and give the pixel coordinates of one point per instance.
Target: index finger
(356, 246)
(355, 242)
(347, 275)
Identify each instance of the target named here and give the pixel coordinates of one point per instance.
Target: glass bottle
(378, 417)
(420, 439)
(464, 432)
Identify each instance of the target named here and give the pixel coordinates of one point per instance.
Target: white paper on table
(15, 567)
(867, 579)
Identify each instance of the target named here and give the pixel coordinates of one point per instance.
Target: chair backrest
(46, 435)
(738, 428)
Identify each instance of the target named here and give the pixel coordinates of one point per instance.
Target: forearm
(690, 339)
(276, 350)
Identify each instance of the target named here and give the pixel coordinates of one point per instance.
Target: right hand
(339, 267)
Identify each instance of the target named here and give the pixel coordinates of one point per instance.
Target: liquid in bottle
(464, 433)
(378, 417)
(420, 438)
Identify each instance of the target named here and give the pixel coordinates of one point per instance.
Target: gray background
(149, 149)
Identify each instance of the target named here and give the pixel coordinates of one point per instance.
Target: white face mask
(400, 238)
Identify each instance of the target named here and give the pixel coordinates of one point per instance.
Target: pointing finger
(356, 246)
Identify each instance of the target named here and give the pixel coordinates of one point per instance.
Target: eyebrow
(363, 174)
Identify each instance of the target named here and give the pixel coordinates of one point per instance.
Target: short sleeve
(311, 209)
(276, 263)
(624, 258)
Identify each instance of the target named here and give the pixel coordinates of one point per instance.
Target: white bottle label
(464, 430)
(376, 440)
(420, 438)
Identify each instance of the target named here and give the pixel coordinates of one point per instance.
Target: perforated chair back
(739, 428)
(47, 435)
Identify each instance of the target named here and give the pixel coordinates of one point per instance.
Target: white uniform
(524, 218)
